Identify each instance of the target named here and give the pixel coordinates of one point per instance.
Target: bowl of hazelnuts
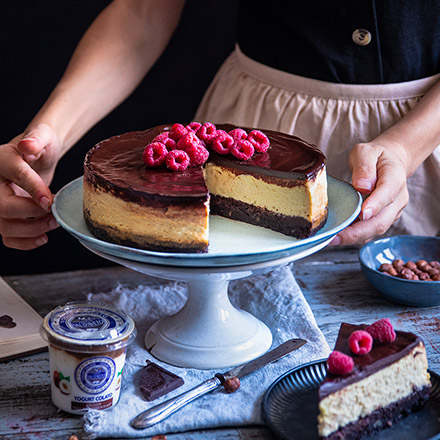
(404, 268)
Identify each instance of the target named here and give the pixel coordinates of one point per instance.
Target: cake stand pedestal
(208, 332)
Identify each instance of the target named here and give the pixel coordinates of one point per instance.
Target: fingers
(27, 228)
(364, 230)
(26, 234)
(35, 140)
(25, 244)
(363, 159)
(23, 223)
(390, 188)
(377, 171)
(14, 206)
(16, 170)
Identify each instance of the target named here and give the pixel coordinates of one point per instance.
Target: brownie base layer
(381, 418)
(105, 236)
(297, 227)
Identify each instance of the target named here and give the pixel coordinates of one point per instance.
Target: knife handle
(160, 412)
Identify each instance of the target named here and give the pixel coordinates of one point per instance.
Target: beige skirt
(332, 116)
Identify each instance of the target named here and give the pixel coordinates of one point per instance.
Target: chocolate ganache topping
(381, 356)
(288, 157)
(116, 164)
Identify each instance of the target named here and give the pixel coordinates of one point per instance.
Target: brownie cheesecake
(156, 208)
(372, 390)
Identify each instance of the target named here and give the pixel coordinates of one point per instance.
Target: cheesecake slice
(385, 384)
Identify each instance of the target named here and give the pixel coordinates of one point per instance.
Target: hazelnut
(436, 278)
(411, 265)
(424, 276)
(433, 271)
(421, 264)
(391, 271)
(406, 271)
(415, 277)
(159, 437)
(73, 437)
(385, 267)
(232, 384)
(435, 264)
(398, 264)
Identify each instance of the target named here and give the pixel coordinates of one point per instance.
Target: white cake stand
(208, 332)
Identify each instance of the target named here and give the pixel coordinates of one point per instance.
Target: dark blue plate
(290, 408)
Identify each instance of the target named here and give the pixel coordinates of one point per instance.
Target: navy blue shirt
(344, 41)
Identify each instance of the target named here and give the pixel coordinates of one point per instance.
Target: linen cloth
(332, 116)
(273, 297)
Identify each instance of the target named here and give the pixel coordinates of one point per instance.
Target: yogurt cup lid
(88, 324)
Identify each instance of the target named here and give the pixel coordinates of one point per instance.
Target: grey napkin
(275, 298)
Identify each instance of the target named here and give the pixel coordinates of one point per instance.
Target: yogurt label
(94, 375)
(88, 323)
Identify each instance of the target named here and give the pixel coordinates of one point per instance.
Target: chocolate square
(155, 381)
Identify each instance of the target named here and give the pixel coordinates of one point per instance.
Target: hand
(27, 165)
(379, 171)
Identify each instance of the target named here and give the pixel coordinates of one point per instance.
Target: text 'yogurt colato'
(87, 348)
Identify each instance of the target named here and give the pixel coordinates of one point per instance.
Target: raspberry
(177, 160)
(207, 132)
(197, 154)
(187, 141)
(242, 149)
(238, 133)
(177, 131)
(165, 139)
(154, 154)
(193, 126)
(259, 140)
(382, 331)
(360, 342)
(339, 363)
(223, 142)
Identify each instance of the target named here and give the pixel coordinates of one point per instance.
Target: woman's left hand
(379, 172)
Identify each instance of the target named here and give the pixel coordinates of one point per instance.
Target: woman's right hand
(27, 166)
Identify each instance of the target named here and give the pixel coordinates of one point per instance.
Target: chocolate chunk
(7, 322)
(155, 381)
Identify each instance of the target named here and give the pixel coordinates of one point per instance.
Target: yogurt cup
(87, 348)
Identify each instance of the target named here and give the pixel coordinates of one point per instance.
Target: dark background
(37, 39)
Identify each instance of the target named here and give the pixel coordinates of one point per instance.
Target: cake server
(160, 412)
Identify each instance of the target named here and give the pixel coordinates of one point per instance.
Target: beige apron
(333, 116)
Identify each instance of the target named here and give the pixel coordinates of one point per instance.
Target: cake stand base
(208, 332)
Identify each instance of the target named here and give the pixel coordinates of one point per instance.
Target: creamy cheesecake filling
(302, 198)
(378, 390)
(128, 221)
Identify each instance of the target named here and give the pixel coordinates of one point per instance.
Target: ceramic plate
(290, 408)
(231, 242)
(406, 248)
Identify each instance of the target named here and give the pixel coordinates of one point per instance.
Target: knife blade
(160, 412)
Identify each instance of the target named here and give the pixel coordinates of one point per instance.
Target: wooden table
(332, 283)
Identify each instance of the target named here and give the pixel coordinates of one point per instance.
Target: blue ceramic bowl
(407, 248)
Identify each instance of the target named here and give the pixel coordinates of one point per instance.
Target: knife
(160, 412)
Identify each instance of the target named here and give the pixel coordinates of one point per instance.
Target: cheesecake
(387, 383)
(125, 202)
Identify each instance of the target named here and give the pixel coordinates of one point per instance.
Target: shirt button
(361, 37)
